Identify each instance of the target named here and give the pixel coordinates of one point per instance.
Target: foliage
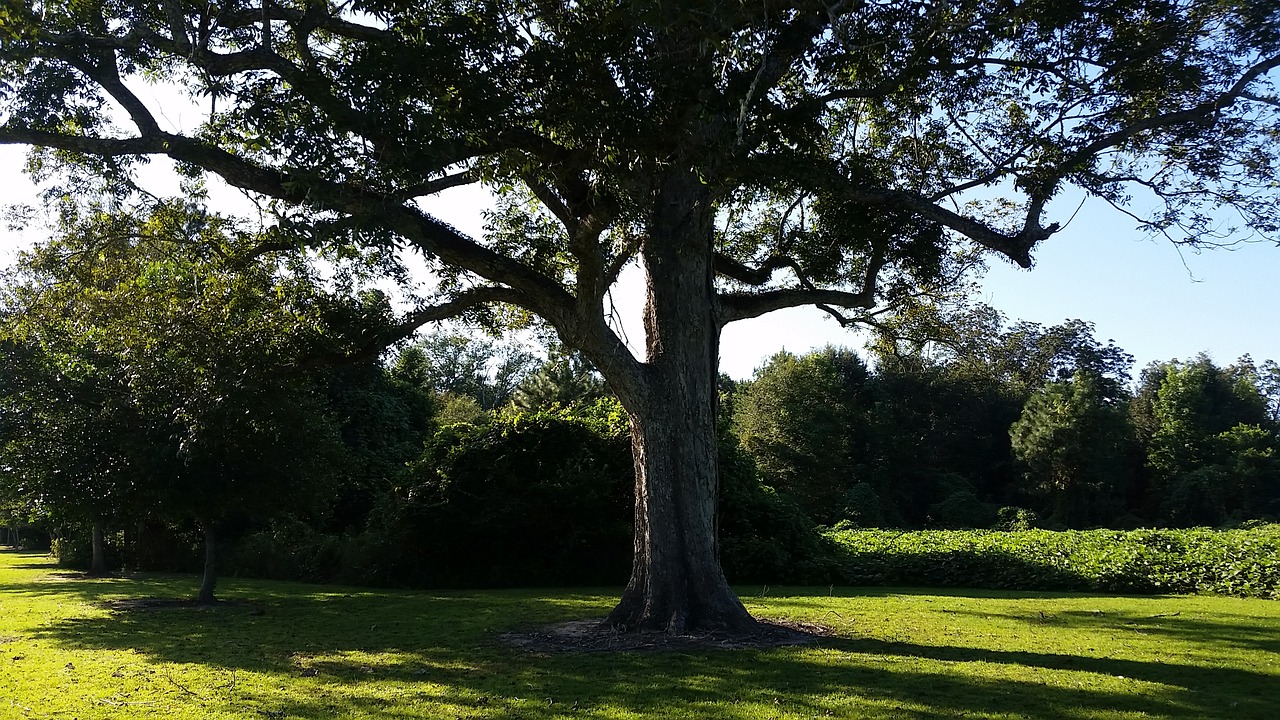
(383, 422)
(1241, 562)
(564, 379)
(530, 499)
(937, 429)
(802, 420)
(765, 536)
(962, 509)
(1212, 443)
(862, 507)
(1075, 440)
(452, 365)
(930, 439)
(1024, 356)
(73, 439)
(1016, 518)
(173, 375)
(534, 498)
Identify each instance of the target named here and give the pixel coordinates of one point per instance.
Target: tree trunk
(210, 579)
(98, 565)
(676, 583)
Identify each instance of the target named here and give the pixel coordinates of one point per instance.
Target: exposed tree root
(580, 636)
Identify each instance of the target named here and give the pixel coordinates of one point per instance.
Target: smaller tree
(802, 419)
(73, 448)
(209, 346)
(1210, 442)
(1075, 440)
(564, 379)
(454, 364)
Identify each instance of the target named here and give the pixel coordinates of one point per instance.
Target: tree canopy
(836, 141)
(751, 157)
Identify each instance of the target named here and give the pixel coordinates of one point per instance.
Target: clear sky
(1155, 300)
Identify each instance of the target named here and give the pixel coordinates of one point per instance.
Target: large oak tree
(749, 156)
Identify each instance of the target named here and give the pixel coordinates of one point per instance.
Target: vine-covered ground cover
(283, 650)
(1243, 562)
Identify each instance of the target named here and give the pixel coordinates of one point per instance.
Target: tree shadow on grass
(437, 653)
(30, 560)
(1243, 631)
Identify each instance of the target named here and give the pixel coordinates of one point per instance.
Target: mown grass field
(281, 650)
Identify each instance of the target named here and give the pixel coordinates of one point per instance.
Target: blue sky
(1155, 300)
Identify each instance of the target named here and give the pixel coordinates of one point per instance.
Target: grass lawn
(302, 651)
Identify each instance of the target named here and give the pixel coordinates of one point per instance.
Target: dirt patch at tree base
(133, 604)
(583, 636)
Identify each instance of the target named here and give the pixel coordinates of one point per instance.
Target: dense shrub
(963, 509)
(289, 549)
(765, 537)
(538, 498)
(1242, 562)
(863, 507)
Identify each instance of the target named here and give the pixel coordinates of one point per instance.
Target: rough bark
(676, 583)
(98, 565)
(210, 579)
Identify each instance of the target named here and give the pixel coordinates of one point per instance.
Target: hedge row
(1242, 562)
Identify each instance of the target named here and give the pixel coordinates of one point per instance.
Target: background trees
(1212, 443)
(1075, 439)
(926, 439)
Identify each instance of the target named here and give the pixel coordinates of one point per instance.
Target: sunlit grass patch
(281, 650)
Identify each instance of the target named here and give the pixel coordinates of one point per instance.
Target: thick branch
(440, 184)
(1205, 111)
(736, 307)
(465, 301)
(543, 295)
(373, 343)
(760, 275)
(741, 306)
(821, 174)
(105, 147)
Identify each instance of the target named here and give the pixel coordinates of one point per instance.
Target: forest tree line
(1043, 428)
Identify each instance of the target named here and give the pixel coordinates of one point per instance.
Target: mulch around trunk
(133, 604)
(584, 636)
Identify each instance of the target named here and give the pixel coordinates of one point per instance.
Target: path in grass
(299, 651)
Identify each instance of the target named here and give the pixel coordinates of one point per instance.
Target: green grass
(366, 654)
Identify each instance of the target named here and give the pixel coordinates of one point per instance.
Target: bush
(765, 537)
(289, 549)
(1242, 562)
(863, 507)
(540, 498)
(1016, 518)
(962, 509)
